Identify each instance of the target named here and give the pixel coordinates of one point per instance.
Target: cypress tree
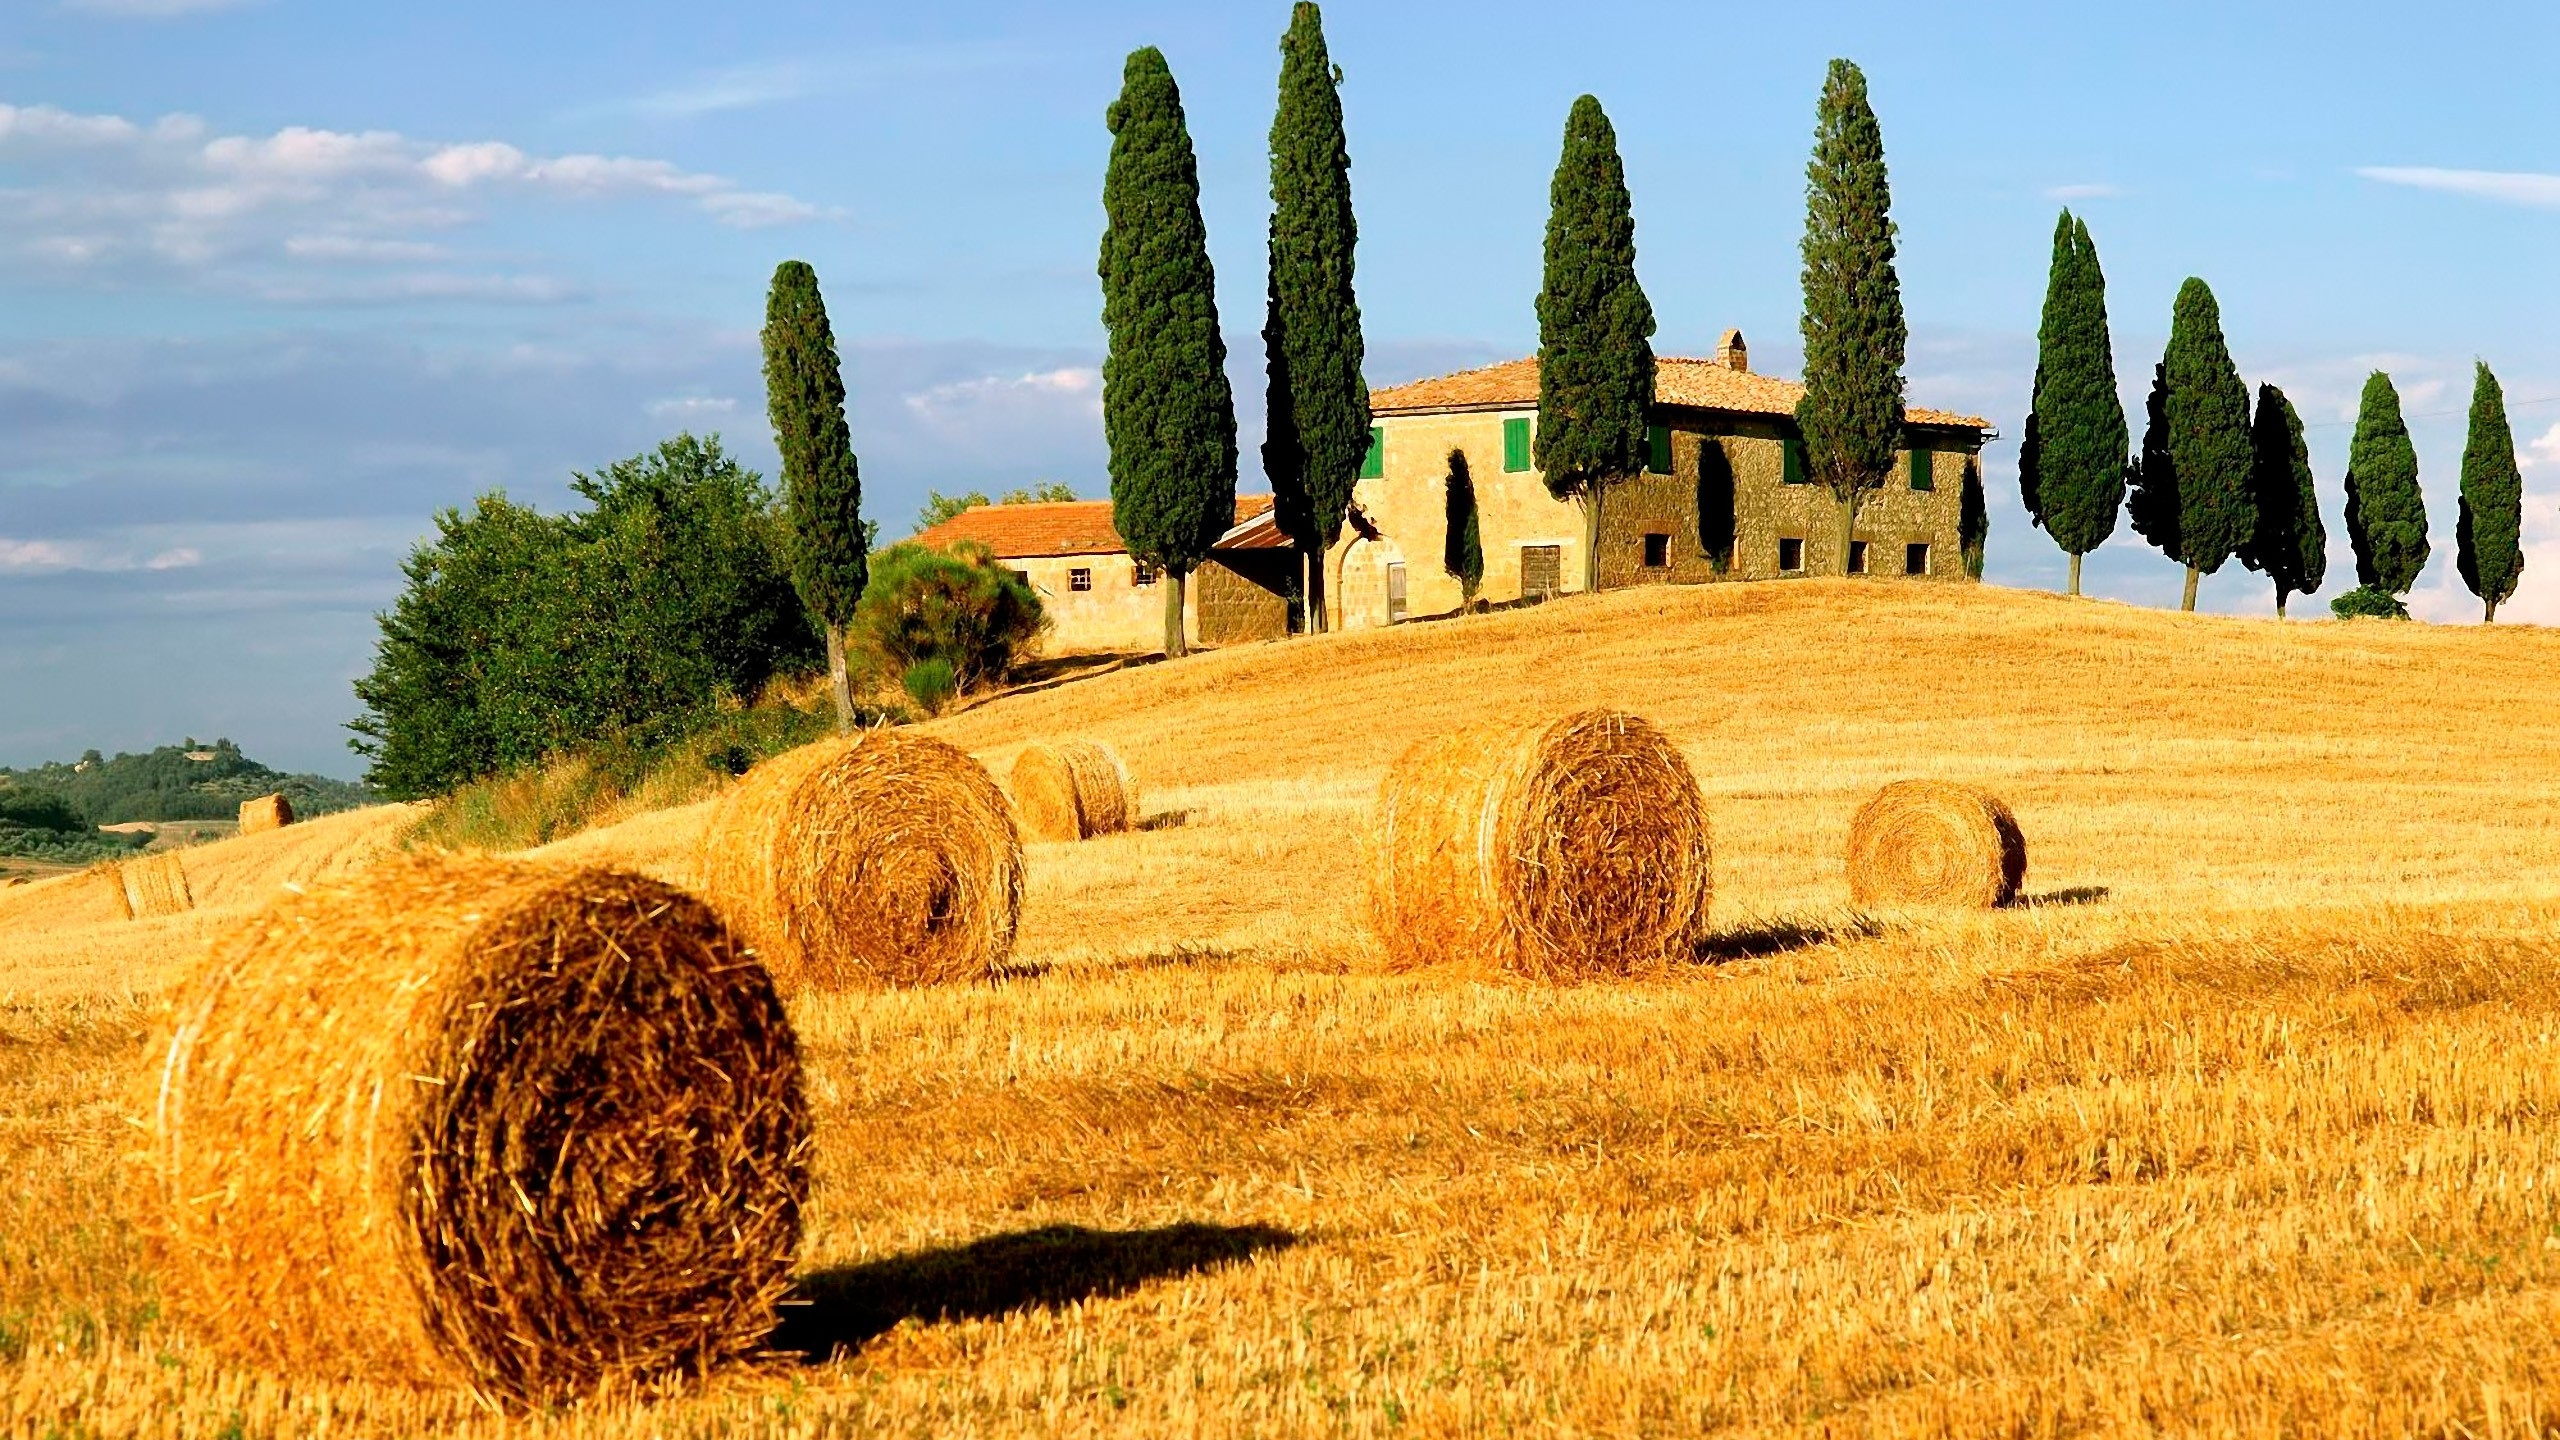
(2289, 546)
(1854, 336)
(2071, 469)
(1318, 416)
(2207, 410)
(1462, 549)
(2386, 516)
(1973, 519)
(821, 481)
(1167, 410)
(1595, 328)
(2489, 536)
(2151, 496)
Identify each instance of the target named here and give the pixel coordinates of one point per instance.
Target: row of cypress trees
(2211, 482)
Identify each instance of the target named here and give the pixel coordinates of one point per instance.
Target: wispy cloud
(690, 409)
(975, 402)
(53, 557)
(153, 9)
(773, 82)
(2506, 187)
(2086, 191)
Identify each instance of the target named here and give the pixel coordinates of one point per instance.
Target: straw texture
(155, 885)
(525, 1129)
(267, 812)
(1073, 790)
(888, 859)
(1575, 849)
(1935, 842)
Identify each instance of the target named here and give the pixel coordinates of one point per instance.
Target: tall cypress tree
(1854, 336)
(2490, 534)
(1595, 328)
(1462, 545)
(2289, 545)
(2208, 418)
(821, 482)
(1318, 416)
(2071, 470)
(1167, 410)
(2151, 498)
(2386, 516)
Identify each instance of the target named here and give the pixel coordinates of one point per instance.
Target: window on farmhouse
(1915, 559)
(1791, 556)
(1924, 475)
(1515, 445)
(1657, 551)
(1657, 449)
(1079, 579)
(1374, 464)
(1141, 573)
(1857, 557)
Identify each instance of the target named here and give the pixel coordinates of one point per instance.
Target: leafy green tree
(1854, 335)
(959, 607)
(2386, 515)
(2489, 537)
(821, 482)
(1595, 328)
(1462, 548)
(1167, 410)
(1318, 415)
(2289, 545)
(2071, 466)
(1047, 492)
(939, 507)
(2191, 489)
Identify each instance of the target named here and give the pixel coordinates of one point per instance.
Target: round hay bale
(1073, 790)
(1935, 842)
(155, 885)
(1574, 849)
(267, 812)
(525, 1129)
(885, 859)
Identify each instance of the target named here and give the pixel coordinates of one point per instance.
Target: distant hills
(54, 810)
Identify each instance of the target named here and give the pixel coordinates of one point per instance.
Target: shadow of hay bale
(1777, 937)
(2072, 895)
(843, 1307)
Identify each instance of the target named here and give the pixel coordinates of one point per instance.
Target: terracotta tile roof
(1698, 384)
(1050, 527)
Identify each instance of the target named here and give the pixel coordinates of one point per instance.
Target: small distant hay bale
(267, 812)
(1571, 850)
(887, 859)
(1935, 842)
(155, 885)
(1073, 790)
(530, 1130)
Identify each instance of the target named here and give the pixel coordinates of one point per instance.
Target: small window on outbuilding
(1923, 469)
(1515, 444)
(1794, 465)
(1142, 573)
(1374, 464)
(1657, 551)
(1857, 557)
(1657, 449)
(1791, 556)
(1915, 559)
(1079, 578)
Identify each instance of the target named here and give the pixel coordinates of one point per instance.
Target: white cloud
(689, 408)
(2092, 191)
(974, 401)
(53, 557)
(2507, 187)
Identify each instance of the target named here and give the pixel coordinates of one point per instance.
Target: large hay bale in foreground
(155, 885)
(1935, 842)
(267, 812)
(1073, 790)
(885, 859)
(1573, 849)
(520, 1128)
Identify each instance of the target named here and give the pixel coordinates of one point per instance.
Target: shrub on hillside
(929, 683)
(959, 606)
(2368, 602)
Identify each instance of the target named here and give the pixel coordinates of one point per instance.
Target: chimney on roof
(1732, 354)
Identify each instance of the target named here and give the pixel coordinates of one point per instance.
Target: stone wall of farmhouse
(1408, 507)
(1229, 609)
(1116, 614)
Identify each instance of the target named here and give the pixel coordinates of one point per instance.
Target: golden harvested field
(2247, 1123)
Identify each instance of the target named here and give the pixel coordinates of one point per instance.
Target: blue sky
(280, 278)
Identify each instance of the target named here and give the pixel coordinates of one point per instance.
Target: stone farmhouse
(1100, 599)
(1724, 496)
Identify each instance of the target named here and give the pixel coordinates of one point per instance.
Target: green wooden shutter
(1515, 444)
(1795, 461)
(1657, 449)
(1374, 464)
(1923, 476)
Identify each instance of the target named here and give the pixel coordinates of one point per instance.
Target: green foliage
(930, 683)
(2289, 546)
(1854, 335)
(1462, 549)
(2208, 415)
(2489, 535)
(960, 606)
(29, 809)
(522, 636)
(1595, 327)
(1318, 415)
(2368, 602)
(939, 507)
(2386, 515)
(162, 784)
(2151, 493)
(1167, 410)
(1047, 492)
(821, 481)
(1973, 518)
(2071, 470)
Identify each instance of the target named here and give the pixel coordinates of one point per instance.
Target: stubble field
(2245, 1124)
